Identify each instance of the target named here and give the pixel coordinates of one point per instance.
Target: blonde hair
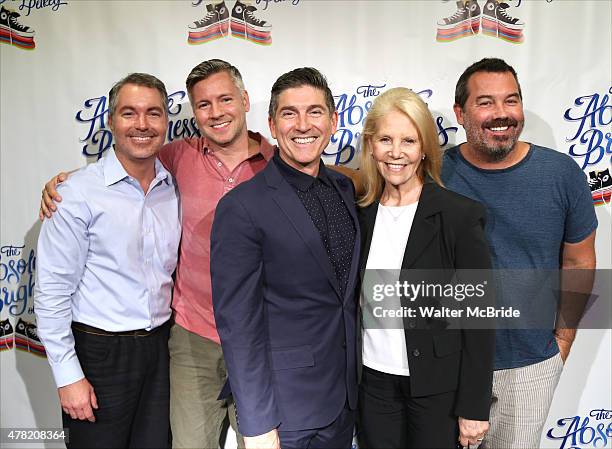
(407, 102)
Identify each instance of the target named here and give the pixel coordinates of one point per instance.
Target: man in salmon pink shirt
(205, 168)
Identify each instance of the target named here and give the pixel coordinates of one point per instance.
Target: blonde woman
(421, 387)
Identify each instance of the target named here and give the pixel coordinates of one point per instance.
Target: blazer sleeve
(236, 271)
(476, 375)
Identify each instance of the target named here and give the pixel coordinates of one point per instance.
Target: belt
(81, 327)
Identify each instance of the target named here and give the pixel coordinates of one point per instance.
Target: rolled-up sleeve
(61, 255)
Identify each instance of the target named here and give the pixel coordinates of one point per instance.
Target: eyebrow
(490, 97)
(308, 108)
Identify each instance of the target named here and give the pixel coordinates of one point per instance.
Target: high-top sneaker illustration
(214, 25)
(14, 33)
(26, 338)
(594, 181)
(245, 25)
(7, 335)
(600, 183)
(464, 22)
(35, 346)
(496, 22)
(21, 337)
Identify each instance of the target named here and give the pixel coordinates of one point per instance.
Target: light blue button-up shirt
(105, 258)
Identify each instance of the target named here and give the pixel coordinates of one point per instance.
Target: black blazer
(447, 232)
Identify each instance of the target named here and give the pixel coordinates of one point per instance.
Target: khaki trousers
(197, 373)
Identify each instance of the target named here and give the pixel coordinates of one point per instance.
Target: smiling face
(302, 125)
(139, 123)
(396, 148)
(220, 108)
(492, 116)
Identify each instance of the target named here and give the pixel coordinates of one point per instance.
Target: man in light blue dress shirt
(105, 265)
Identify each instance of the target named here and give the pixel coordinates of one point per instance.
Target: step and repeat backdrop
(58, 59)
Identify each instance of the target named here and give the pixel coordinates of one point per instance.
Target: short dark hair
(491, 65)
(305, 76)
(207, 68)
(139, 79)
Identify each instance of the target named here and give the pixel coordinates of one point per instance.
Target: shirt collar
(296, 178)
(114, 171)
(266, 150)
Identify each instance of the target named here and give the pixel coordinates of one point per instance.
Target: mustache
(499, 122)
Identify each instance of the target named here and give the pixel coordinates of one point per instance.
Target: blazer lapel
(345, 189)
(288, 201)
(424, 226)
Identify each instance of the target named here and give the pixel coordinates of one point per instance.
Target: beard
(494, 148)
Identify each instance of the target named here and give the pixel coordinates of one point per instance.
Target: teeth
(499, 128)
(220, 125)
(395, 166)
(304, 140)
(141, 139)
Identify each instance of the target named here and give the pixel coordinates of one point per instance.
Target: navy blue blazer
(288, 336)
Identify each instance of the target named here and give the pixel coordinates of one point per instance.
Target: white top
(385, 349)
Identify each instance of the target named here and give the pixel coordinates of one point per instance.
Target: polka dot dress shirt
(328, 213)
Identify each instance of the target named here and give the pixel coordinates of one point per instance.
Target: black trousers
(390, 418)
(130, 377)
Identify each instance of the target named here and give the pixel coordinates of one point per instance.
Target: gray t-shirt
(532, 207)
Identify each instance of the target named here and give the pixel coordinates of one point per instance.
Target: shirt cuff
(67, 372)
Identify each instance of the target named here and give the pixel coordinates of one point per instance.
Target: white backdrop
(53, 100)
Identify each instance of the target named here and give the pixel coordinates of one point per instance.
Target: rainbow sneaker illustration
(7, 335)
(14, 33)
(26, 338)
(497, 23)
(600, 183)
(463, 23)
(214, 25)
(245, 25)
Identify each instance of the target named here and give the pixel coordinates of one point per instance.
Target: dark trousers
(337, 435)
(390, 418)
(130, 377)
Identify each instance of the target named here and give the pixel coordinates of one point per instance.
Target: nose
(142, 122)
(215, 110)
(500, 110)
(302, 123)
(396, 151)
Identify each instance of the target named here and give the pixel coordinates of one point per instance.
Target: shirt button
(416, 353)
(411, 324)
(219, 164)
(231, 179)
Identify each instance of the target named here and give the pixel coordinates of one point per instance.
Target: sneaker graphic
(496, 22)
(34, 344)
(245, 25)
(214, 25)
(464, 22)
(26, 338)
(7, 335)
(14, 33)
(600, 183)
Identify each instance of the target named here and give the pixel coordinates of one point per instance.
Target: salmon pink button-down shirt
(202, 180)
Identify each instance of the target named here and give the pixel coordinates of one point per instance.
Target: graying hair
(207, 68)
(139, 79)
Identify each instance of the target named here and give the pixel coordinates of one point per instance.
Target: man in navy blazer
(284, 265)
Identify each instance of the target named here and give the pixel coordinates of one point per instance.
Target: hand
(77, 400)
(564, 348)
(50, 196)
(268, 440)
(471, 432)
